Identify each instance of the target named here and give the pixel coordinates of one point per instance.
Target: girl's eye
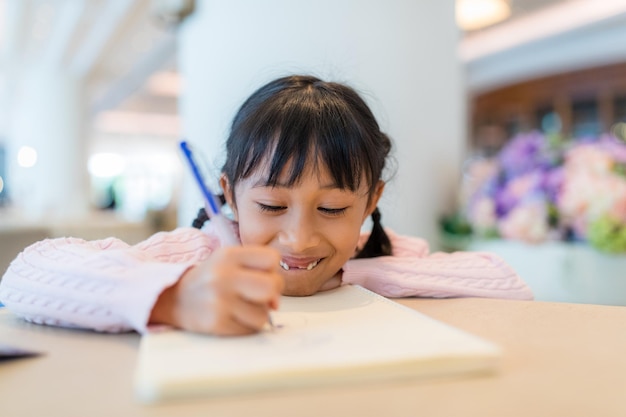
(333, 211)
(271, 209)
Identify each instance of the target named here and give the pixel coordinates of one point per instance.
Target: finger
(242, 317)
(257, 286)
(256, 257)
(231, 268)
(231, 327)
(251, 315)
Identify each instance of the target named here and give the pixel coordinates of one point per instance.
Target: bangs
(291, 133)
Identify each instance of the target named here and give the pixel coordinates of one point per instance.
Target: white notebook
(342, 336)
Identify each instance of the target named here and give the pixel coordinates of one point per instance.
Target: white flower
(526, 222)
(483, 215)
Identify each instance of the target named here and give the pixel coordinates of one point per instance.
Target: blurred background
(95, 94)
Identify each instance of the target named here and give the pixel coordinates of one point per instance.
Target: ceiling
(114, 45)
(521, 8)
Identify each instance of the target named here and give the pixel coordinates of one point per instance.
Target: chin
(302, 288)
(299, 290)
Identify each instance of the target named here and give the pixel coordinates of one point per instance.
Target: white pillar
(401, 55)
(48, 110)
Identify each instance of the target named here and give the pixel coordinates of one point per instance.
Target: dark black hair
(295, 120)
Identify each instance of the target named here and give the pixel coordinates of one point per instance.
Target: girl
(304, 169)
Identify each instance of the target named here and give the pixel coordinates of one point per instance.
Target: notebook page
(338, 336)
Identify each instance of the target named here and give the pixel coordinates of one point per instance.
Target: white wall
(401, 55)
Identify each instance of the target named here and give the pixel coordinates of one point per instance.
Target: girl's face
(313, 224)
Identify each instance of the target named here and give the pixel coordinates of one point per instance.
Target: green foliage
(608, 234)
(456, 224)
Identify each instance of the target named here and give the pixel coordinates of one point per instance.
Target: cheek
(345, 235)
(252, 229)
(346, 248)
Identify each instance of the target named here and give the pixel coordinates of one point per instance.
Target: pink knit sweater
(107, 285)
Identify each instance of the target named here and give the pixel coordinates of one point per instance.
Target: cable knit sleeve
(105, 285)
(413, 271)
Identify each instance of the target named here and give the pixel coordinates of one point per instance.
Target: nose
(299, 232)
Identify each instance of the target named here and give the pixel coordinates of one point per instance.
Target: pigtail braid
(378, 243)
(202, 217)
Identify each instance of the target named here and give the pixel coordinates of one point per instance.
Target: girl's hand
(231, 293)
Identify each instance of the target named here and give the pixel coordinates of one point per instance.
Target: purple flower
(524, 153)
(543, 188)
(552, 183)
(523, 188)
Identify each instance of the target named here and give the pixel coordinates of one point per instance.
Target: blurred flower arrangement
(540, 187)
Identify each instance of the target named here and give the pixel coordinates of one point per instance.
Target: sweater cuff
(143, 289)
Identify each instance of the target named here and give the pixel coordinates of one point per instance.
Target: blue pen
(212, 206)
(211, 203)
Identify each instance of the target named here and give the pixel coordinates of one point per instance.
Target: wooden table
(559, 360)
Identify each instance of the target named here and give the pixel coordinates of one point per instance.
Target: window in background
(578, 104)
(513, 126)
(585, 119)
(105, 169)
(147, 184)
(619, 106)
(549, 120)
(135, 183)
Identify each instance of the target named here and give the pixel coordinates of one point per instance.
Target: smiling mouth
(308, 267)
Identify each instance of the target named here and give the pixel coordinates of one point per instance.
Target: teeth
(310, 266)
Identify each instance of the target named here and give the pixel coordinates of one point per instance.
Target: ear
(375, 197)
(229, 194)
